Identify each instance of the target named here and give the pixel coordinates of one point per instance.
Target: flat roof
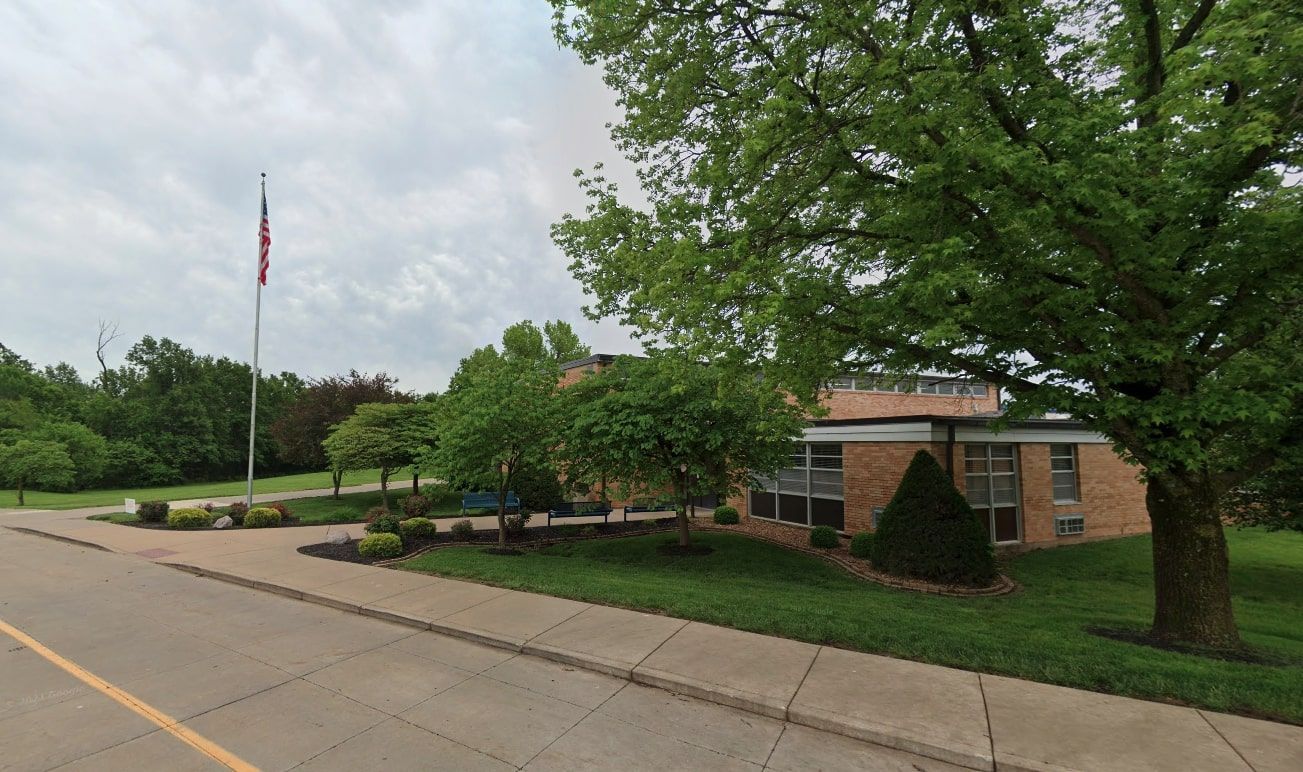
(604, 359)
(956, 420)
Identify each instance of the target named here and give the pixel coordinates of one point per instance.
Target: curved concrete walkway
(970, 719)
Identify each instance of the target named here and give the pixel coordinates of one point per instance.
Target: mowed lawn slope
(218, 491)
(1038, 633)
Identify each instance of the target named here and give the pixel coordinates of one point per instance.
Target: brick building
(1039, 482)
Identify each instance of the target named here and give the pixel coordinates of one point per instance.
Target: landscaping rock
(338, 537)
(224, 521)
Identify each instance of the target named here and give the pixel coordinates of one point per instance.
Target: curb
(55, 537)
(672, 682)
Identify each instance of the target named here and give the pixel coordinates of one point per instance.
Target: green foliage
(928, 530)
(538, 486)
(36, 464)
(640, 420)
(415, 505)
(152, 511)
(1273, 500)
(236, 510)
(385, 523)
(89, 451)
(261, 517)
(190, 517)
(1090, 204)
(588, 530)
(462, 530)
(725, 516)
(862, 544)
(387, 436)
(280, 507)
(305, 423)
(133, 464)
(380, 546)
(555, 344)
(416, 528)
(516, 524)
(824, 537)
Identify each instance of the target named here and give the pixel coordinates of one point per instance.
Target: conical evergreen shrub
(929, 531)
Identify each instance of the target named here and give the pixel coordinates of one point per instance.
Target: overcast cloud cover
(416, 152)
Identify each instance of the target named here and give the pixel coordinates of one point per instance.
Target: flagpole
(257, 319)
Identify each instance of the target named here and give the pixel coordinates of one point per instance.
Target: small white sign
(129, 507)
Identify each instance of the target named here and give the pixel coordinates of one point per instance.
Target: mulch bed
(286, 522)
(799, 539)
(533, 537)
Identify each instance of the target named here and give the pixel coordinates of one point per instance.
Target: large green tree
(36, 463)
(1087, 203)
(390, 436)
(666, 423)
(500, 415)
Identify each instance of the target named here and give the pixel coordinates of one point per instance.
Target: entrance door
(991, 480)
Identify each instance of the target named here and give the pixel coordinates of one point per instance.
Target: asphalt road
(112, 662)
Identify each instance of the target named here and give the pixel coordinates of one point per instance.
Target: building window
(991, 485)
(948, 387)
(1063, 473)
(808, 492)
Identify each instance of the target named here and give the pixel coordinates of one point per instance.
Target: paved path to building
(947, 715)
(113, 663)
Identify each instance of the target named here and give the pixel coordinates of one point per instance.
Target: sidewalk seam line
(777, 740)
(638, 664)
(986, 710)
(787, 707)
(1213, 726)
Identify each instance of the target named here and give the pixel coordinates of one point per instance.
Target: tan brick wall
(871, 404)
(1112, 499)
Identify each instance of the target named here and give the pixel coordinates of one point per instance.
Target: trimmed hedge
(189, 517)
(262, 517)
(415, 505)
(824, 537)
(380, 546)
(462, 530)
(516, 523)
(236, 511)
(929, 531)
(152, 511)
(862, 544)
(384, 524)
(725, 516)
(416, 528)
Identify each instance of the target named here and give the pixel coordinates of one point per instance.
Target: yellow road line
(200, 743)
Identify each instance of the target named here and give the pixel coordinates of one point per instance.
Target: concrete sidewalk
(971, 719)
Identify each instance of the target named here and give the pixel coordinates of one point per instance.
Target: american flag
(264, 240)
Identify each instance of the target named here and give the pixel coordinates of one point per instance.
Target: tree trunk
(1192, 589)
(685, 537)
(416, 484)
(20, 491)
(502, 514)
(336, 477)
(384, 488)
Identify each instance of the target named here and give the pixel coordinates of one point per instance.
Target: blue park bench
(647, 506)
(486, 500)
(580, 509)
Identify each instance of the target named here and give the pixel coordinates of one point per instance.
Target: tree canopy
(1084, 203)
(35, 463)
(641, 421)
(389, 436)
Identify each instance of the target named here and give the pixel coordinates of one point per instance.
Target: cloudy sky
(416, 152)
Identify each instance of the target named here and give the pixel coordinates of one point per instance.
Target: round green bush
(189, 517)
(725, 516)
(824, 537)
(385, 523)
(862, 544)
(462, 530)
(262, 517)
(929, 531)
(416, 528)
(152, 511)
(380, 546)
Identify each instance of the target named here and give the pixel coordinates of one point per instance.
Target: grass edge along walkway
(1037, 634)
(231, 489)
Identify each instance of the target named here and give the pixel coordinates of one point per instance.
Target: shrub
(862, 544)
(385, 523)
(537, 486)
(588, 530)
(516, 524)
(725, 516)
(208, 507)
(152, 511)
(462, 530)
(281, 508)
(189, 517)
(262, 517)
(929, 531)
(237, 511)
(380, 545)
(415, 505)
(824, 537)
(416, 528)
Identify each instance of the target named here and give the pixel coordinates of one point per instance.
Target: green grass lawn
(348, 508)
(1037, 633)
(214, 490)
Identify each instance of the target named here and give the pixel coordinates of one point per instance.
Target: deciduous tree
(1084, 203)
(36, 463)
